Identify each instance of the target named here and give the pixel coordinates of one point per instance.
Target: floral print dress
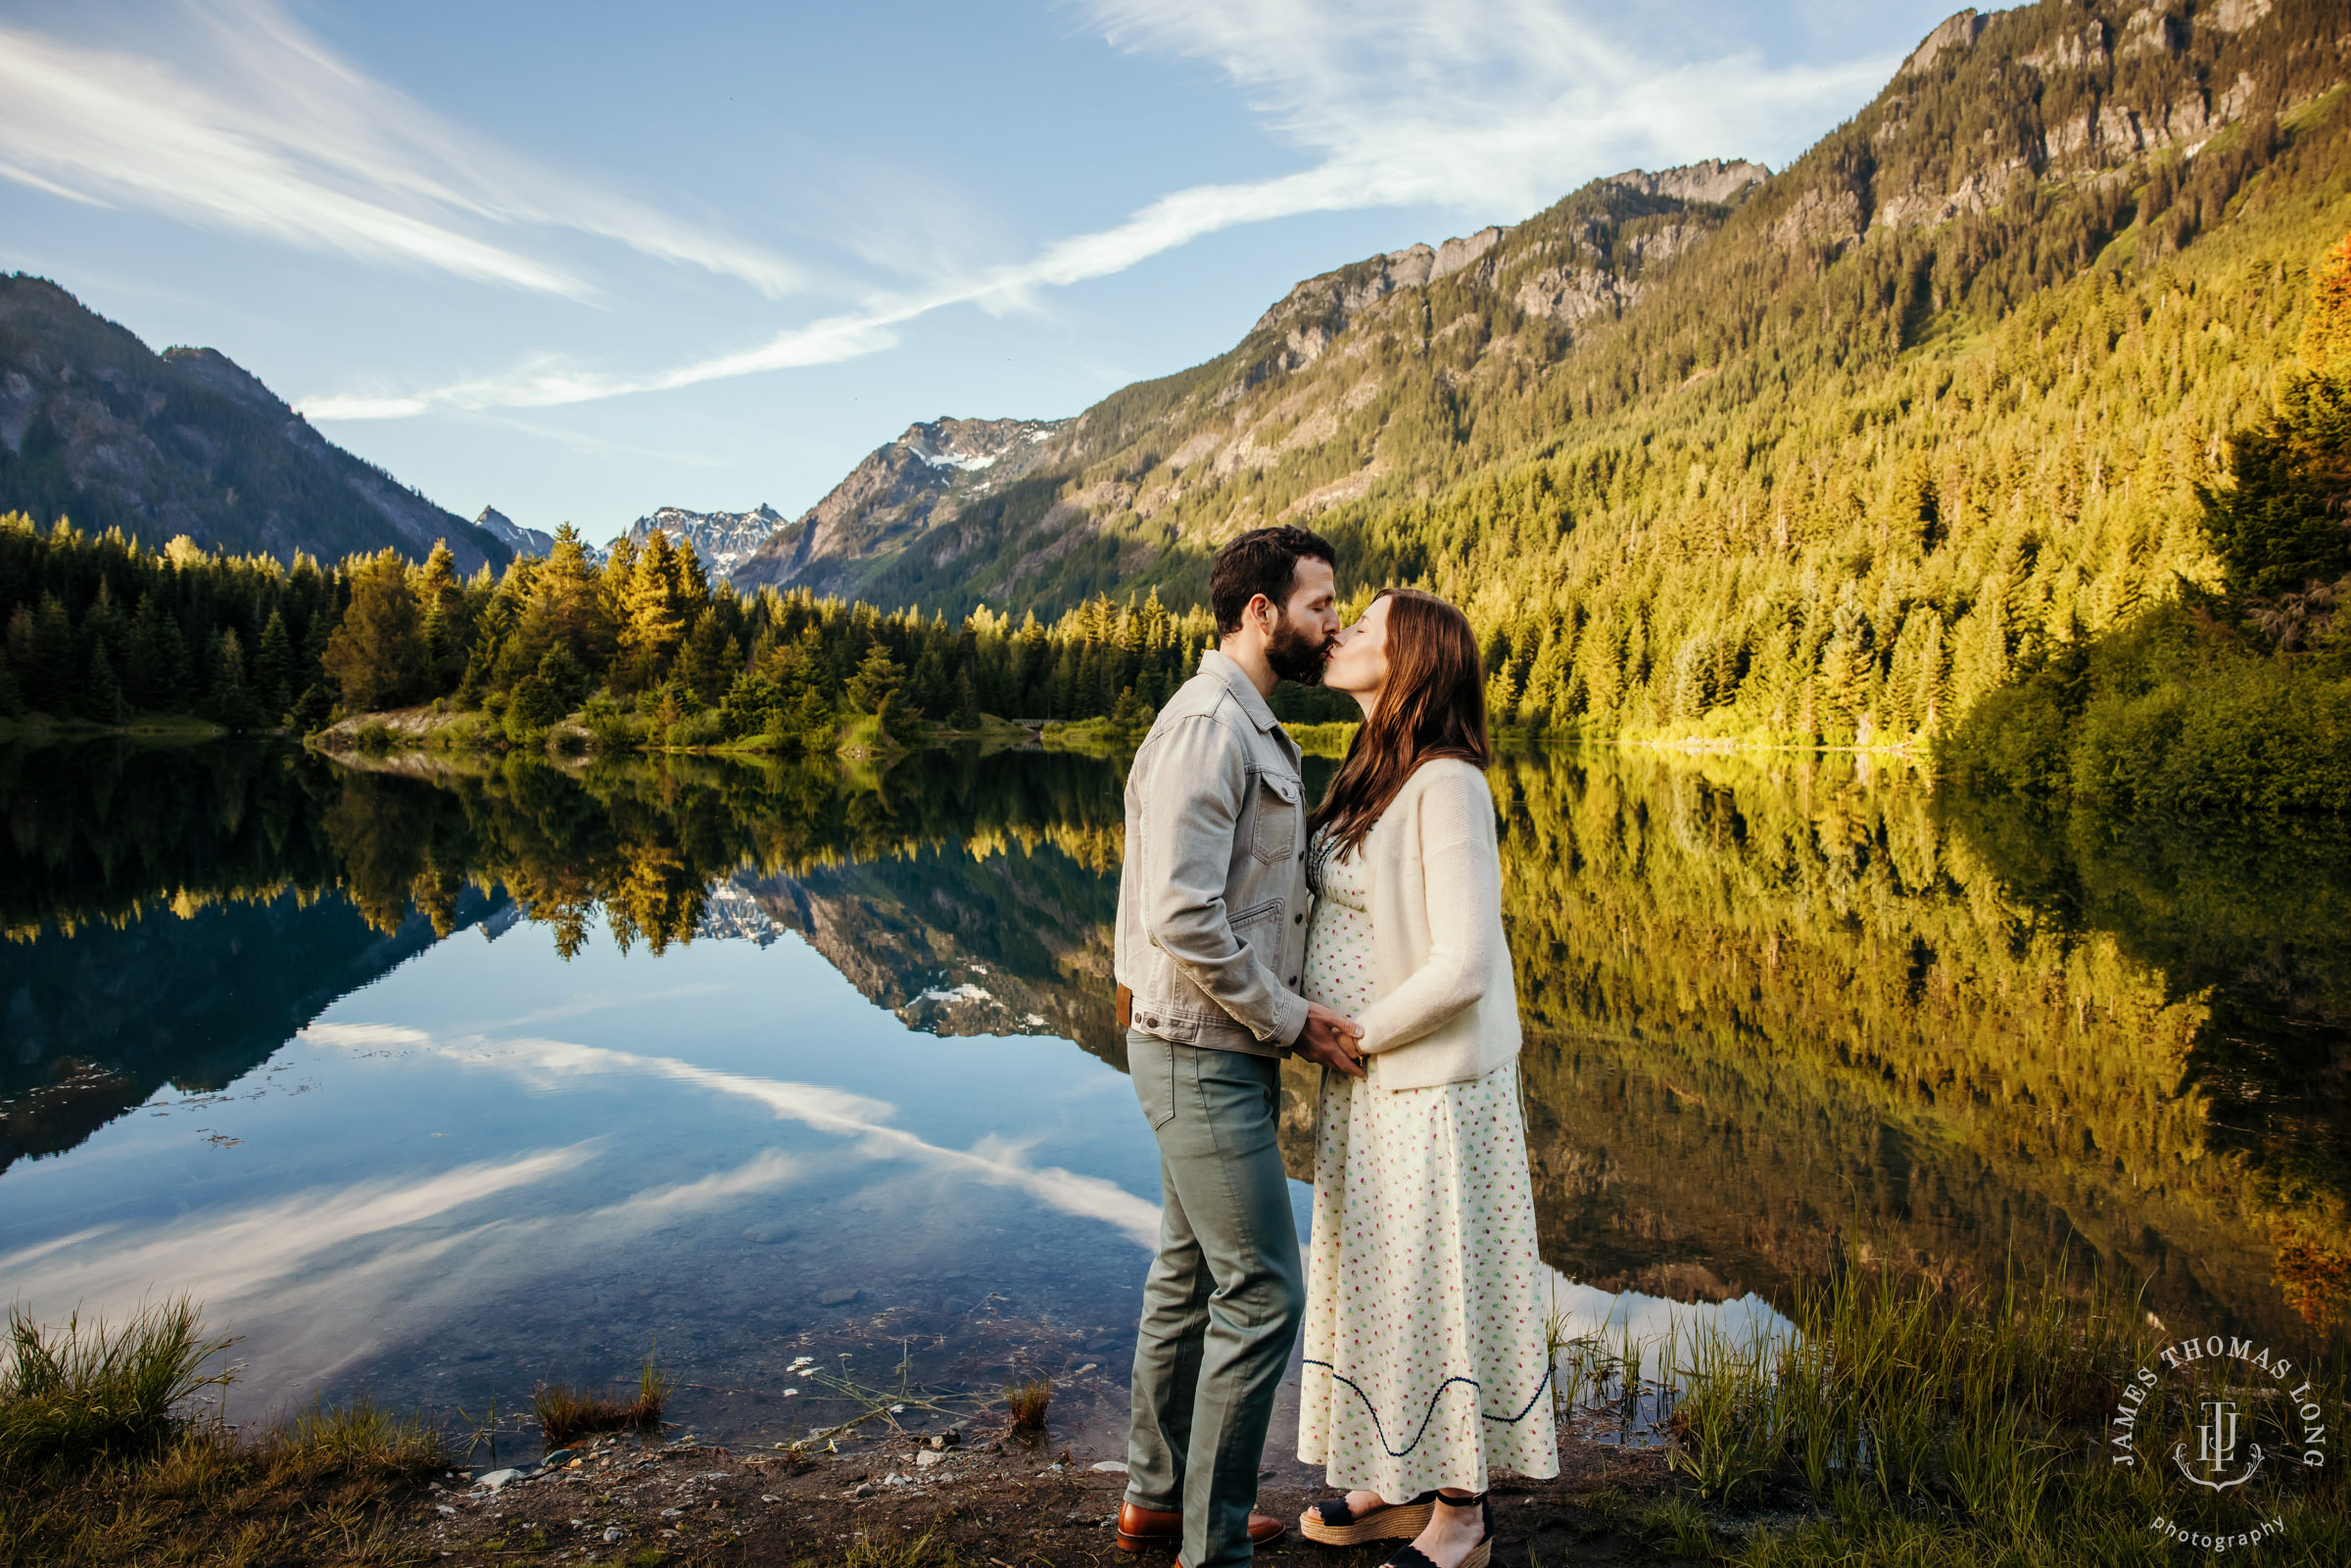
(1425, 1362)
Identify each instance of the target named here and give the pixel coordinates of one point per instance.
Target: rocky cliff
(512, 534)
(95, 426)
(923, 487)
(723, 540)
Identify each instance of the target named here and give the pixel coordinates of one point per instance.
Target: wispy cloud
(995, 1161)
(243, 121)
(1486, 108)
(229, 1257)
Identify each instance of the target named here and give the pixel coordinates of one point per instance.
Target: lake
(440, 1083)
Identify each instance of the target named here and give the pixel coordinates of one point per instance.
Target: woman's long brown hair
(1434, 705)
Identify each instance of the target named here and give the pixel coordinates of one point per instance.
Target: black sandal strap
(1411, 1557)
(1334, 1512)
(1482, 1502)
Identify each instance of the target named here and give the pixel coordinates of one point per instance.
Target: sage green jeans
(1223, 1301)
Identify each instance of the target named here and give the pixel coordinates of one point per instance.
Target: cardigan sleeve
(1462, 874)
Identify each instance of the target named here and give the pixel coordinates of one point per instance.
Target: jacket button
(1293, 979)
(1298, 920)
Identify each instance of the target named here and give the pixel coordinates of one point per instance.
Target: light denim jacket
(1212, 899)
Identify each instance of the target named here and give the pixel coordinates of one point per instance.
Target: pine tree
(876, 682)
(46, 664)
(228, 697)
(654, 621)
(101, 693)
(377, 655)
(2325, 345)
(711, 658)
(274, 665)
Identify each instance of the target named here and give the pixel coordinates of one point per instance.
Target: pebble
(614, 1535)
(1112, 1466)
(498, 1480)
(927, 1458)
(554, 1458)
(837, 1294)
(447, 1509)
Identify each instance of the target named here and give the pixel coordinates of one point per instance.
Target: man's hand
(1330, 1040)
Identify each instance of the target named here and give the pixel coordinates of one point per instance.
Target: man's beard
(1293, 655)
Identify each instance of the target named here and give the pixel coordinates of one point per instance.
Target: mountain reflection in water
(1778, 1015)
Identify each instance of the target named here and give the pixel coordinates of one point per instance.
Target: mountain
(96, 426)
(1820, 452)
(723, 539)
(917, 487)
(512, 534)
(1228, 437)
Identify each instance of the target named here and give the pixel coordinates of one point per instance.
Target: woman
(1425, 1364)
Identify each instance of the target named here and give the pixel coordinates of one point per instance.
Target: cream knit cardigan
(1445, 1006)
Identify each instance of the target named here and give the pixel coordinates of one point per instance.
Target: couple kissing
(1363, 933)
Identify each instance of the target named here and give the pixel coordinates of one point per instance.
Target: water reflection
(768, 1057)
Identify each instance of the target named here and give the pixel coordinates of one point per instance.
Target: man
(1211, 946)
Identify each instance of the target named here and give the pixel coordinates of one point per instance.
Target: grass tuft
(78, 1393)
(568, 1414)
(1028, 1400)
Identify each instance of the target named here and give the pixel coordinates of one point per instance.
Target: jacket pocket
(1274, 835)
(1270, 908)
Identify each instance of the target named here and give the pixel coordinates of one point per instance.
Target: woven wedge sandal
(1333, 1523)
(1480, 1555)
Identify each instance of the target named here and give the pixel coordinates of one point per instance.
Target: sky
(579, 259)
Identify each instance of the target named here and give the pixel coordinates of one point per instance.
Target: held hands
(1333, 1041)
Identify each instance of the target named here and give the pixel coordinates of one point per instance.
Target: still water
(443, 1084)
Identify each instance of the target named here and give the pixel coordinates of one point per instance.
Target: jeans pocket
(1151, 1063)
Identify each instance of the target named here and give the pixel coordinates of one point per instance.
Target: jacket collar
(1216, 662)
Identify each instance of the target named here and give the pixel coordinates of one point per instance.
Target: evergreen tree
(876, 682)
(655, 616)
(229, 695)
(46, 663)
(275, 665)
(375, 655)
(710, 659)
(101, 693)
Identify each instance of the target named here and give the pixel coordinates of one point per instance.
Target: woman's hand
(1335, 1042)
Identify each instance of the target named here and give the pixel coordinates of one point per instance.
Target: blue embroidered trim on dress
(1381, 1431)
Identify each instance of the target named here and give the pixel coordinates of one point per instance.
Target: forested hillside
(1824, 457)
(640, 645)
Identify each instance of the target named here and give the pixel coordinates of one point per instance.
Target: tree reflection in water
(1780, 1011)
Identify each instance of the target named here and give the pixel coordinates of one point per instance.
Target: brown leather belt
(1126, 1008)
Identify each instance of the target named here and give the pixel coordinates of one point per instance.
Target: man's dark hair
(1264, 561)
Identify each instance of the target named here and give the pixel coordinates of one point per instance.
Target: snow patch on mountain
(723, 540)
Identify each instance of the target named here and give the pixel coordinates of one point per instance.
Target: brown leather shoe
(1153, 1527)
